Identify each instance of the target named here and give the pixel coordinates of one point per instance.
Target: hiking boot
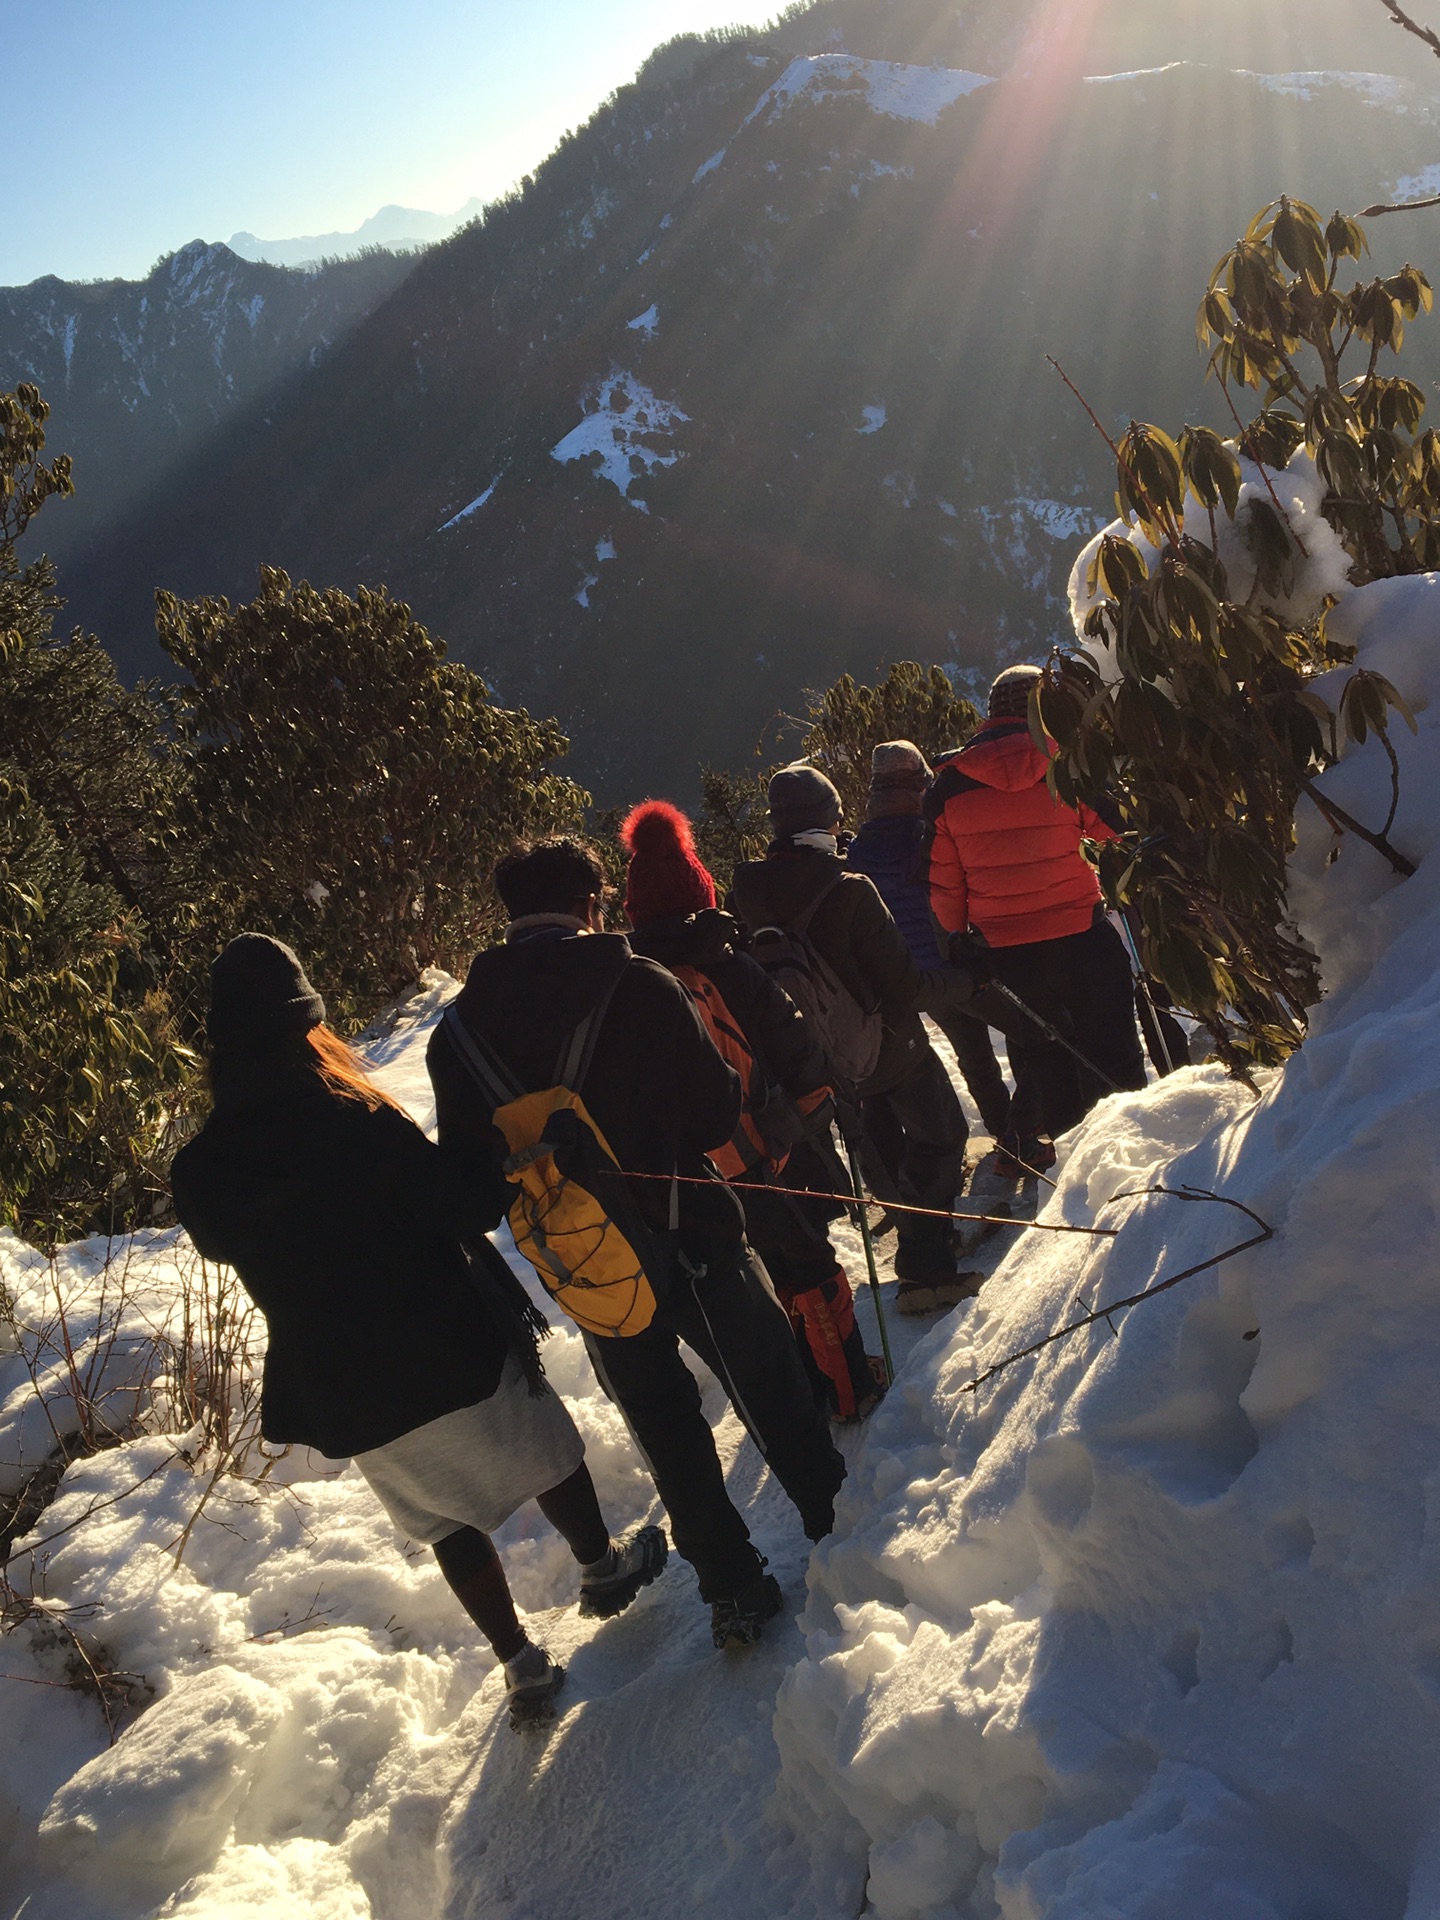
(938, 1292)
(1017, 1159)
(739, 1621)
(867, 1403)
(532, 1680)
(609, 1584)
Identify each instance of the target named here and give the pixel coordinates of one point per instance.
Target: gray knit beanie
(802, 800)
(1010, 693)
(898, 763)
(258, 993)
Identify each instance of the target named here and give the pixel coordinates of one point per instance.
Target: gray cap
(259, 992)
(802, 800)
(898, 763)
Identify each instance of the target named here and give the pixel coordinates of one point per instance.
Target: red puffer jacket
(1006, 858)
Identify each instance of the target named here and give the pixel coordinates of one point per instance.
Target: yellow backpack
(573, 1217)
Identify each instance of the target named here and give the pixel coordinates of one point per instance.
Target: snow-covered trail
(652, 1792)
(328, 1733)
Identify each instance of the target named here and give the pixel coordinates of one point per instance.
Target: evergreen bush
(350, 788)
(1191, 708)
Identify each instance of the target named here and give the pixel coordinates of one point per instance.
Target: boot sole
(606, 1602)
(536, 1708)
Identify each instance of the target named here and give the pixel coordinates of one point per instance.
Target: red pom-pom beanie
(667, 878)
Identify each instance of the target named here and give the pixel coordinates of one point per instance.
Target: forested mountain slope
(748, 385)
(139, 373)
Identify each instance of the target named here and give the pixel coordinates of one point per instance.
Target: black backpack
(850, 1034)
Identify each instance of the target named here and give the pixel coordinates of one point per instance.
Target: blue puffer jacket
(893, 852)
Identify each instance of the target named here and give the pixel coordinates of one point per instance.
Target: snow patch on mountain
(1378, 89)
(1021, 533)
(624, 432)
(886, 86)
(474, 506)
(873, 419)
(1418, 186)
(646, 323)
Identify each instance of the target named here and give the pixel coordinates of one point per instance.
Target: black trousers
(917, 1131)
(731, 1319)
(1082, 985)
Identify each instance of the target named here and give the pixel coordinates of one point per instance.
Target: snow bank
(1147, 1626)
(1323, 571)
(625, 432)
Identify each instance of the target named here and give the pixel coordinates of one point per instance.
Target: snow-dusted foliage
(1146, 1627)
(1321, 571)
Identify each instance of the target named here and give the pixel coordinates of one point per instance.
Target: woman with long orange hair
(397, 1334)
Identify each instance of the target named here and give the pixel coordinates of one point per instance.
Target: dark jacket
(657, 1089)
(343, 1221)
(895, 853)
(1006, 859)
(853, 933)
(785, 1050)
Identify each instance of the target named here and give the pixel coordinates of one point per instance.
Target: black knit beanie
(802, 800)
(1010, 693)
(258, 993)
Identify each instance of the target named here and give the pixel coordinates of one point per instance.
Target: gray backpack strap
(802, 924)
(579, 1052)
(484, 1065)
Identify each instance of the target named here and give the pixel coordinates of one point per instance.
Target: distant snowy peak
(392, 227)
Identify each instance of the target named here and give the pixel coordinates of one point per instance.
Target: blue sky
(161, 121)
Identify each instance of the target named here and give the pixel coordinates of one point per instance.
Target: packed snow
(623, 422)
(1145, 1626)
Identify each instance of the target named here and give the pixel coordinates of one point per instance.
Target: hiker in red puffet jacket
(670, 900)
(1007, 870)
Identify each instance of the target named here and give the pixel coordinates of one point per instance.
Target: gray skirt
(474, 1467)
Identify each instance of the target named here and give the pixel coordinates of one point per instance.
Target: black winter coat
(785, 1049)
(853, 933)
(657, 1089)
(343, 1222)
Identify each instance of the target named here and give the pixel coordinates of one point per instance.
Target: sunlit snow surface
(1147, 1628)
(624, 433)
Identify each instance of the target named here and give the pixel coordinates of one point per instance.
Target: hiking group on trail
(656, 1117)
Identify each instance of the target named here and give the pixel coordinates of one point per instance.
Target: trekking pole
(1054, 1033)
(869, 1246)
(1143, 983)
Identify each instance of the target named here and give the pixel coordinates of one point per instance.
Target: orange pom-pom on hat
(667, 878)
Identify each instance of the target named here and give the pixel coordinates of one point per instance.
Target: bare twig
(1396, 206)
(1267, 1232)
(1402, 19)
(1347, 823)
